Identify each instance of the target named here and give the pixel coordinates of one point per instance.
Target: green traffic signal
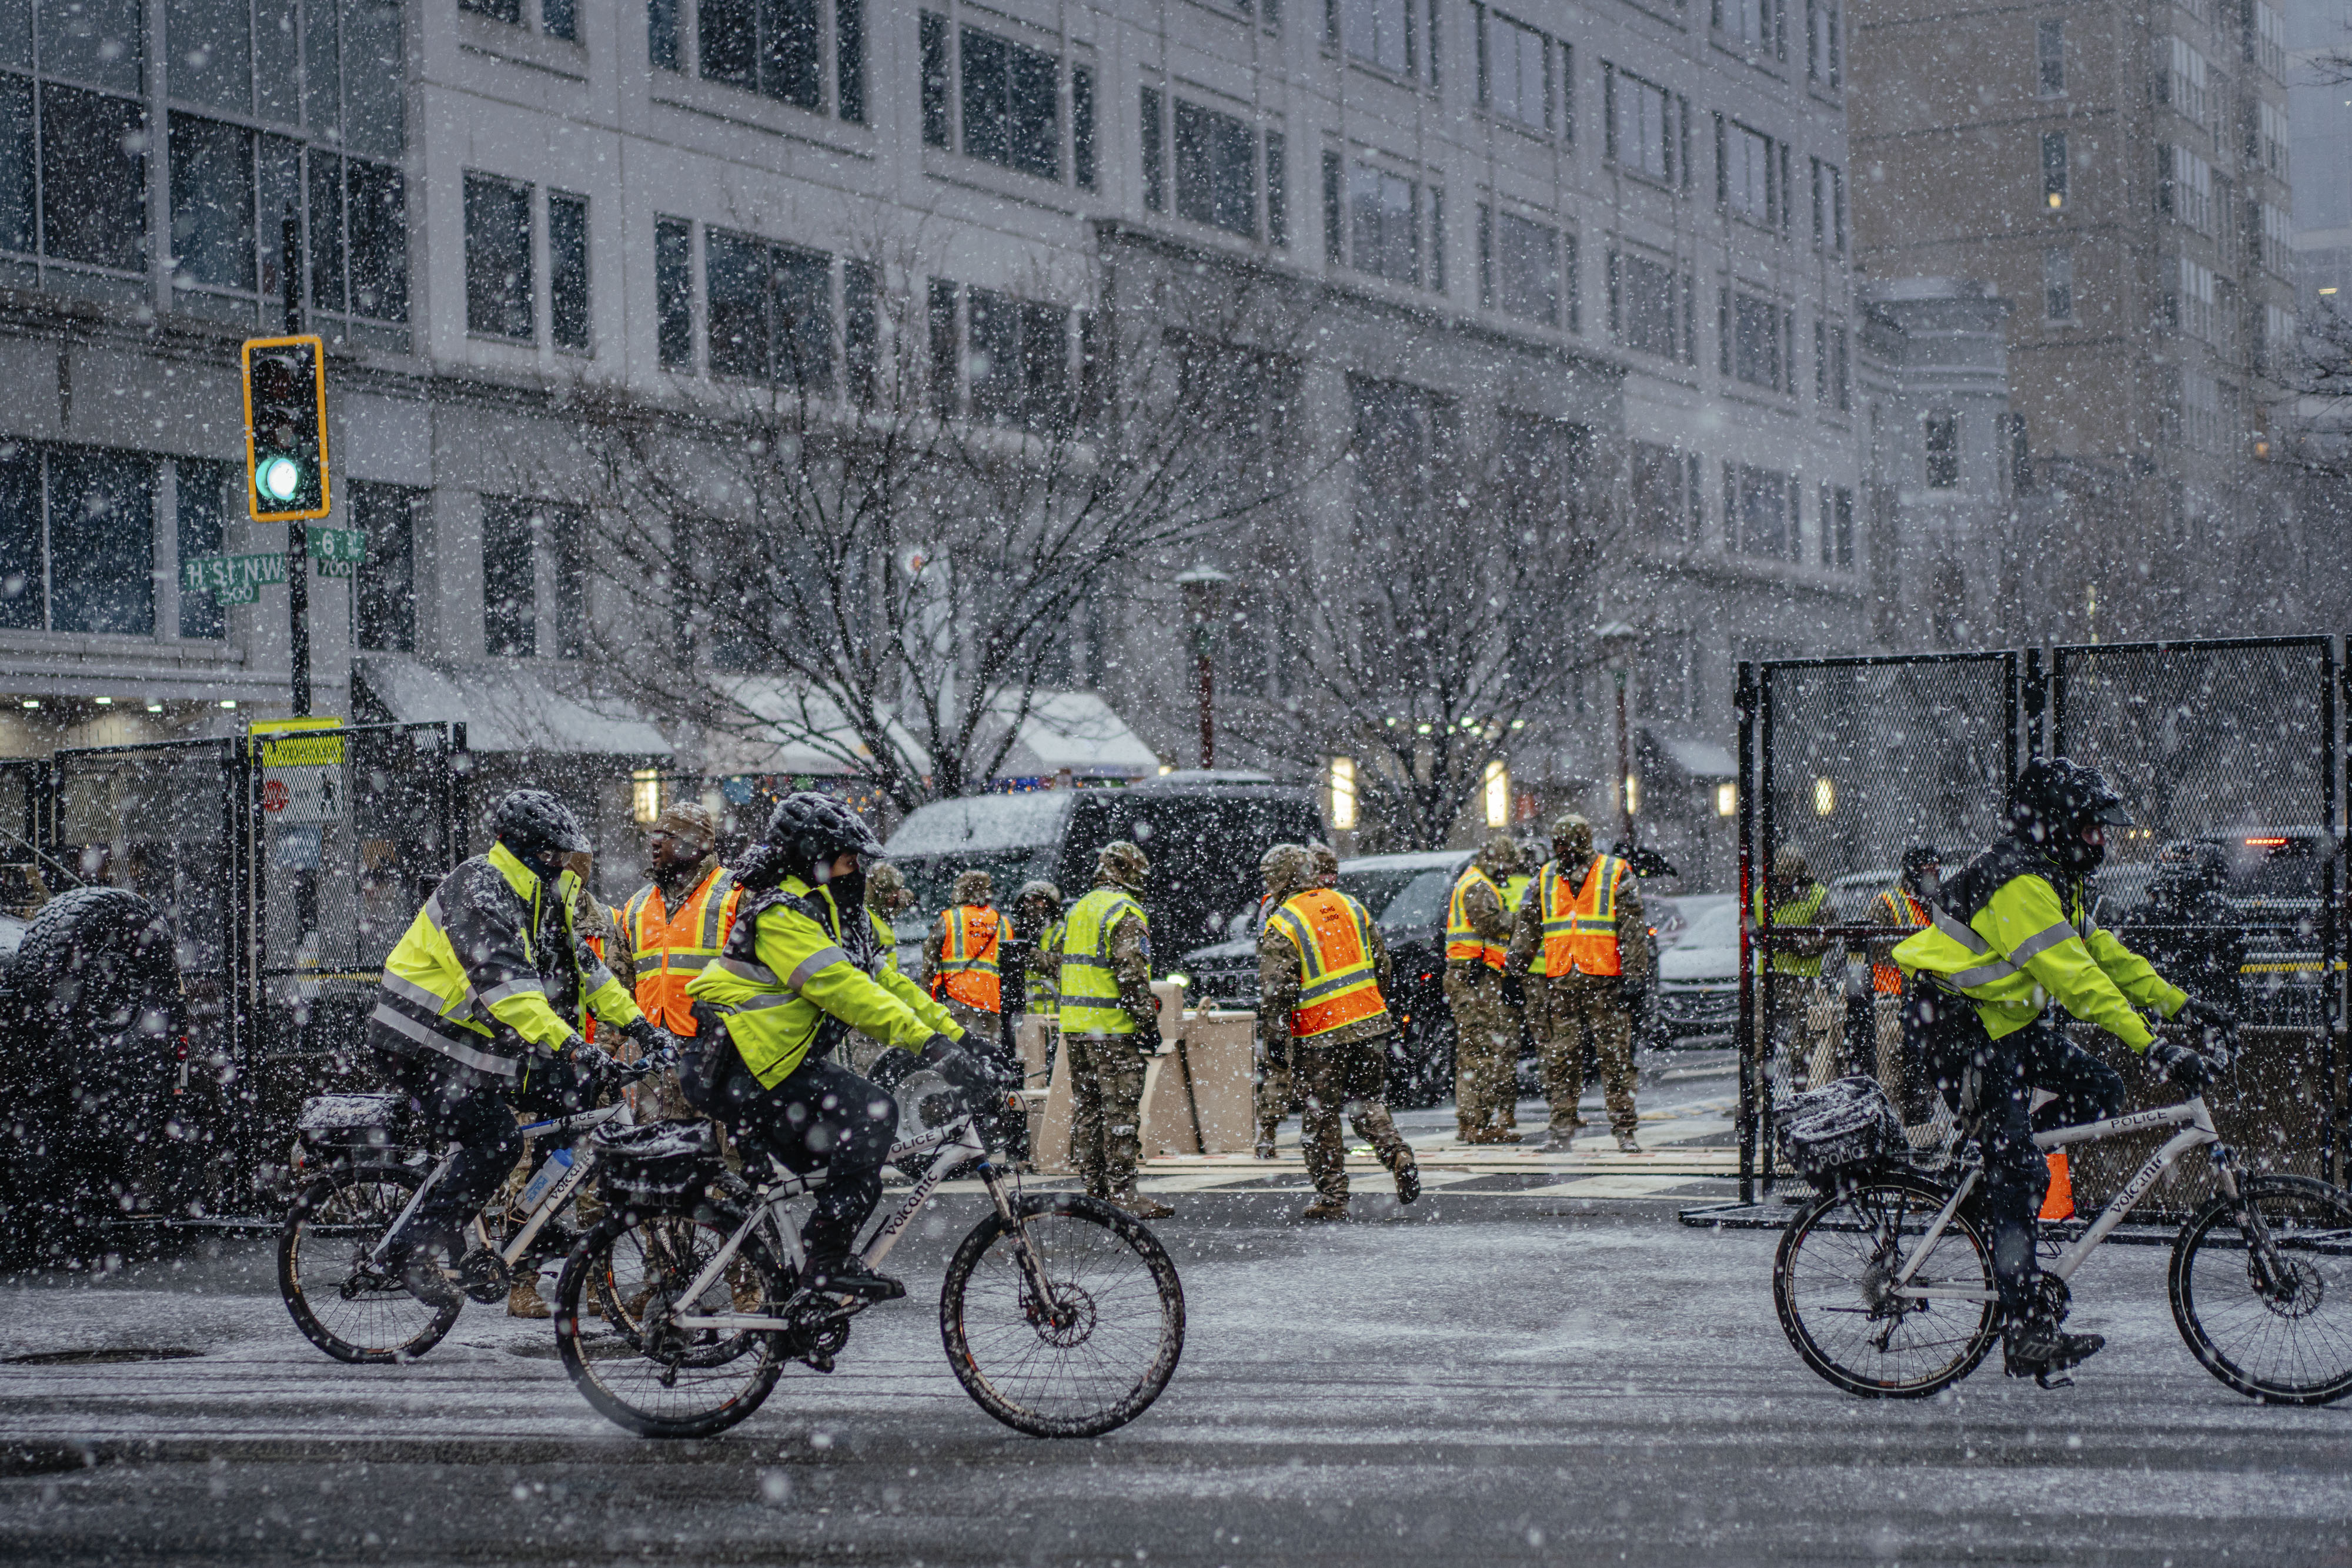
(279, 478)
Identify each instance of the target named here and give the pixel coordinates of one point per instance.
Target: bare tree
(1461, 605)
(875, 546)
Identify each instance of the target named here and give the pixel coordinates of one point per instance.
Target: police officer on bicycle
(805, 964)
(484, 1003)
(2009, 933)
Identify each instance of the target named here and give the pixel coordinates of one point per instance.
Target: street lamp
(1198, 586)
(1617, 641)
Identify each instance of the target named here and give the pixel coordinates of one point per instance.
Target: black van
(1204, 832)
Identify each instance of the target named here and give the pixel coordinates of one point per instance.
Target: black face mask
(849, 890)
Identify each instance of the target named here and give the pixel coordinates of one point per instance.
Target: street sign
(339, 552)
(301, 769)
(231, 579)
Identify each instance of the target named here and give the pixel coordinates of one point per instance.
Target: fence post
(2036, 697)
(1744, 700)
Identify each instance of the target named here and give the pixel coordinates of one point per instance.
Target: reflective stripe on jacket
(1581, 927)
(1090, 1001)
(966, 964)
(1464, 944)
(1339, 983)
(2001, 937)
(672, 947)
(1804, 910)
(795, 976)
(1902, 909)
(491, 971)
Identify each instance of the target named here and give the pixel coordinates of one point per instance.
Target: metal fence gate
(288, 866)
(2234, 744)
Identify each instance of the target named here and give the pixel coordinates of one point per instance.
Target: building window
(1760, 511)
(232, 188)
(1840, 369)
(1759, 334)
(1216, 170)
(787, 50)
(2058, 282)
(1751, 172)
(1155, 162)
(517, 536)
(1015, 361)
(207, 495)
(1837, 527)
(2194, 310)
(2053, 169)
(770, 311)
(861, 331)
(1384, 224)
(673, 292)
(1011, 105)
(2184, 187)
(1335, 243)
(1666, 493)
(1826, 42)
(2050, 57)
(383, 595)
(2271, 136)
(2188, 86)
(936, 82)
(2270, 39)
(76, 540)
(1277, 200)
(557, 18)
(1756, 26)
(2276, 239)
(1646, 135)
(1649, 306)
(498, 301)
(1829, 207)
(567, 271)
(1514, 70)
(1519, 266)
(1942, 443)
(1378, 31)
(1082, 126)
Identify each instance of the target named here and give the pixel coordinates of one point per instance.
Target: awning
(1073, 732)
(506, 707)
(1698, 758)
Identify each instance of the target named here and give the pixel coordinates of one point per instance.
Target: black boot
(847, 1275)
(2036, 1346)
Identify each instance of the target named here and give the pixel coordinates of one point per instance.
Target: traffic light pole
(298, 534)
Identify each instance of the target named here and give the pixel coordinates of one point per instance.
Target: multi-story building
(1628, 222)
(2121, 174)
(2319, 38)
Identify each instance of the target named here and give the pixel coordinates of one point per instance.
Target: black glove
(2200, 1012)
(657, 1046)
(2180, 1066)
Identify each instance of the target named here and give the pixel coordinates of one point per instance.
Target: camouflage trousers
(1485, 1047)
(983, 1029)
(1106, 1109)
(1273, 1093)
(1573, 1007)
(1350, 1082)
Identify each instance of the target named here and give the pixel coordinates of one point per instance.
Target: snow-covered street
(1485, 1377)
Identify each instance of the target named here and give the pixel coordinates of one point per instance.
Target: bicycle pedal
(2048, 1379)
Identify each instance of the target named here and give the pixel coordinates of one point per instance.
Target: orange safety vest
(1462, 944)
(678, 946)
(1581, 933)
(1887, 978)
(1339, 983)
(967, 968)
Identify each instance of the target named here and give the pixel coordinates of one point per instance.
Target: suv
(1406, 895)
(1203, 831)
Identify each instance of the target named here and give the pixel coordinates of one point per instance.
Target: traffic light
(285, 429)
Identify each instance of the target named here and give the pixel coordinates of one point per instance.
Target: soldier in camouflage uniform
(1486, 1026)
(1342, 1069)
(1272, 1088)
(1326, 863)
(1033, 951)
(887, 893)
(974, 891)
(1111, 1026)
(1575, 1001)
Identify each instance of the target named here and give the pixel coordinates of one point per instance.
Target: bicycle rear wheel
(1090, 1360)
(1832, 1285)
(2285, 1337)
(351, 1311)
(632, 1363)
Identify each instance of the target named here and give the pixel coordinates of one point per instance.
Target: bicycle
(1062, 1316)
(1885, 1286)
(331, 1272)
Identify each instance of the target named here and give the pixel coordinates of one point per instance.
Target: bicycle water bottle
(547, 1176)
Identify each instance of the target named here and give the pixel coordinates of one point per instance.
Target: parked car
(1698, 968)
(1203, 833)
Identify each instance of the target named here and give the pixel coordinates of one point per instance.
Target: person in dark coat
(96, 1010)
(2194, 936)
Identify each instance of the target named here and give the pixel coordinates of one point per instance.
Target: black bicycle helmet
(808, 830)
(536, 826)
(2054, 800)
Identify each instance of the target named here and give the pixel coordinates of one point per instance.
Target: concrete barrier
(1216, 1047)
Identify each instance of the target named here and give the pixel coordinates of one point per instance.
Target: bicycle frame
(957, 1138)
(584, 1165)
(2197, 1131)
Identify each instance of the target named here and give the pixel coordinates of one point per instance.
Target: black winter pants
(821, 1114)
(2009, 1069)
(449, 1100)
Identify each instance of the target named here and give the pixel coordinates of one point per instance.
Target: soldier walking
(1581, 904)
(1485, 1033)
(1272, 1088)
(1322, 971)
(1111, 1026)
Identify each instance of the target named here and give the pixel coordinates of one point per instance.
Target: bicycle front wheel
(632, 1361)
(2273, 1321)
(347, 1309)
(1834, 1285)
(1092, 1354)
